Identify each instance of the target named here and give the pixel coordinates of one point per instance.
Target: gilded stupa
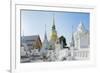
(54, 32)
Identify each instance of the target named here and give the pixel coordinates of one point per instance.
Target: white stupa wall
(81, 37)
(84, 41)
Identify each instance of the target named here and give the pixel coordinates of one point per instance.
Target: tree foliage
(62, 40)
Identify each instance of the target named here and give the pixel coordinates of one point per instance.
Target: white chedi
(81, 37)
(45, 45)
(79, 46)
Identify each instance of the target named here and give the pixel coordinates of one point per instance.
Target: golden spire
(54, 33)
(53, 27)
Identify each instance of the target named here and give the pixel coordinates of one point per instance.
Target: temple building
(29, 43)
(80, 43)
(33, 41)
(51, 48)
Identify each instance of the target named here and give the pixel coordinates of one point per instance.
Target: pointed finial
(45, 32)
(72, 29)
(53, 27)
(45, 27)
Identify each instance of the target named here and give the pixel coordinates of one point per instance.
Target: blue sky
(33, 22)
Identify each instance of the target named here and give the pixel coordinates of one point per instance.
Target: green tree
(62, 40)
